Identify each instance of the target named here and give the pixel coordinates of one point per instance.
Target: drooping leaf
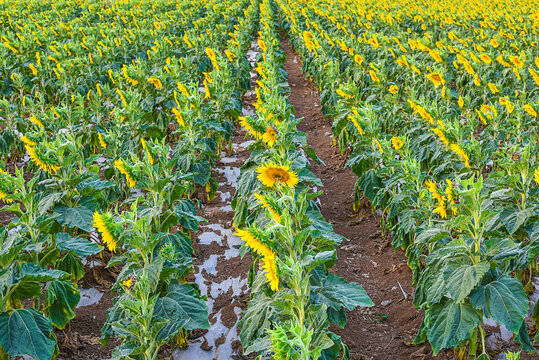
(79, 217)
(61, 298)
(503, 300)
(460, 280)
(26, 332)
(80, 246)
(451, 323)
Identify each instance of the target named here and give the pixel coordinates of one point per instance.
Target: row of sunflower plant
(434, 105)
(122, 112)
(294, 297)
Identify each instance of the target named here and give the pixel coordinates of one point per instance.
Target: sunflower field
(116, 115)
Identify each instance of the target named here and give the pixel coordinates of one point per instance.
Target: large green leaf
(188, 299)
(336, 292)
(460, 280)
(503, 300)
(81, 247)
(80, 217)
(168, 308)
(60, 300)
(26, 332)
(451, 323)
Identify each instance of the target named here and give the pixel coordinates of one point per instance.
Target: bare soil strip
(386, 330)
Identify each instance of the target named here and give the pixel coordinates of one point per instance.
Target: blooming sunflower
(268, 203)
(270, 136)
(530, 110)
(250, 127)
(436, 78)
(119, 164)
(105, 226)
(252, 239)
(36, 121)
(102, 142)
(155, 82)
(461, 153)
(269, 174)
(179, 117)
(393, 89)
(270, 269)
(41, 161)
(397, 142)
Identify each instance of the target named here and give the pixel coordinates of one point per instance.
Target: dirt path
(383, 331)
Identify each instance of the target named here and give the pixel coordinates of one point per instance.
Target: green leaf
(169, 309)
(48, 202)
(503, 300)
(80, 217)
(190, 301)
(460, 280)
(336, 292)
(26, 332)
(81, 247)
(60, 300)
(187, 213)
(451, 323)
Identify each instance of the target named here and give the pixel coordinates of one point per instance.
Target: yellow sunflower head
(270, 174)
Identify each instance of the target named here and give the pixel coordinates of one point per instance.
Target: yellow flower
(27, 141)
(415, 69)
(250, 129)
(356, 124)
(493, 88)
(269, 174)
(378, 146)
(397, 142)
(461, 153)
(122, 97)
(118, 164)
(441, 135)
(35, 121)
(485, 58)
(530, 110)
(436, 78)
(270, 136)
(266, 205)
(43, 164)
(536, 175)
(183, 89)
(155, 82)
(211, 55)
(393, 89)
(494, 43)
(253, 242)
(128, 282)
(477, 80)
(33, 68)
(102, 142)
(230, 55)
(507, 105)
(373, 76)
(179, 117)
(270, 269)
(461, 101)
(103, 224)
(344, 94)
(516, 61)
(3, 197)
(358, 59)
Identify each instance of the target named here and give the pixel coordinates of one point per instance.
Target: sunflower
(155, 82)
(530, 110)
(105, 226)
(486, 59)
(269, 174)
(493, 88)
(28, 141)
(393, 89)
(35, 121)
(461, 101)
(536, 175)
(244, 122)
(436, 78)
(43, 163)
(252, 239)
(183, 89)
(179, 117)
(102, 142)
(211, 55)
(397, 142)
(441, 136)
(356, 124)
(461, 153)
(373, 76)
(270, 269)
(270, 136)
(272, 207)
(119, 164)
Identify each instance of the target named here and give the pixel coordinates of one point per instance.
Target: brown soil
(386, 330)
